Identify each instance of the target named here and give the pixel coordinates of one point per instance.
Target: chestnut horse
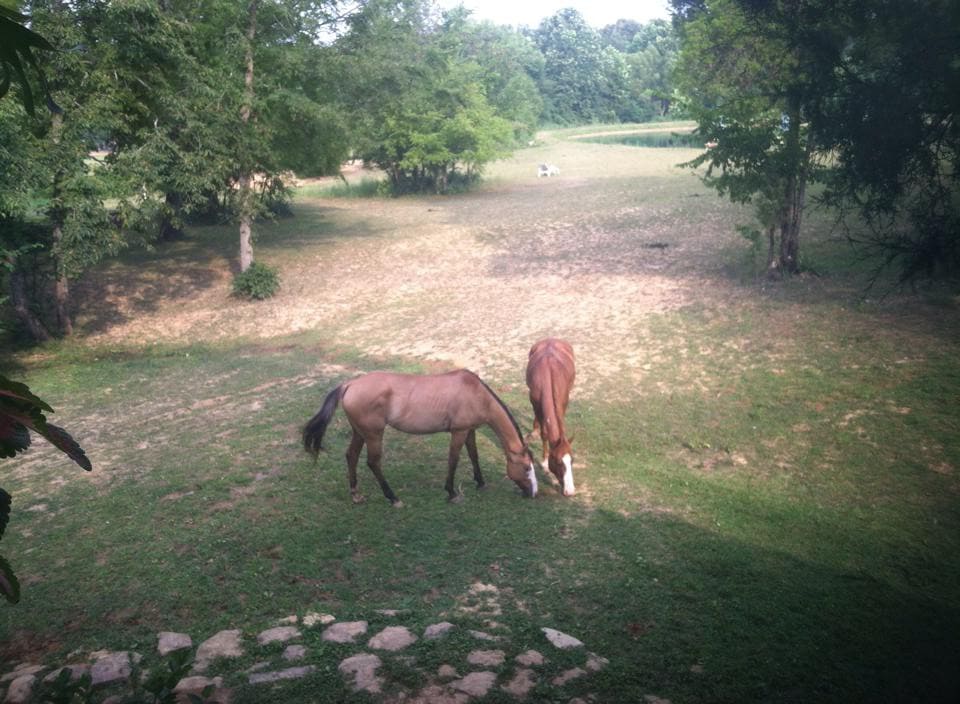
(456, 402)
(550, 375)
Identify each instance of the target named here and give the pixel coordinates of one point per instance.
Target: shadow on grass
(725, 621)
(143, 279)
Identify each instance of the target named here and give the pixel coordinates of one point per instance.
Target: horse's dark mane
(502, 405)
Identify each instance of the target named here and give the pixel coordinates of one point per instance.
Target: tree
(890, 124)
(507, 60)
(581, 81)
(750, 89)
(419, 107)
(73, 231)
(860, 96)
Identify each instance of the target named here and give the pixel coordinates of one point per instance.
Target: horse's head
(560, 462)
(520, 469)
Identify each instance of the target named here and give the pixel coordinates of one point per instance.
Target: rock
(345, 632)
(225, 644)
(196, 684)
(168, 642)
(313, 618)
(523, 681)
(76, 672)
(530, 658)
(22, 670)
(280, 634)
(595, 663)
(654, 699)
(288, 621)
(568, 675)
(20, 689)
(291, 673)
(436, 694)
(561, 640)
(447, 672)
(476, 684)
(363, 668)
(391, 612)
(486, 658)
(480, 635)
(392, 638)
(111, 668)
(294, 652)
(437, 629)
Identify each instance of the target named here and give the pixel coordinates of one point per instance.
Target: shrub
(257, 282)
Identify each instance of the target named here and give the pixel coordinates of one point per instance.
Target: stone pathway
(460, 681)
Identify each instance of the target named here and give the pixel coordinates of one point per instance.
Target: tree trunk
(170, 229)
(57, 217)
(246, 192)
(787, 259)
(18, 297)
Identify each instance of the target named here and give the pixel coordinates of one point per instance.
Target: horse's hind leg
(457, 438)
(353, 456)
(374, 452)
(475, 458)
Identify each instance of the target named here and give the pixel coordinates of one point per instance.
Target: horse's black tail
(315, 428)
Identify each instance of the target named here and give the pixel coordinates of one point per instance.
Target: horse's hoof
(481, 487)
(458, 499)
(397, 504)
(358, 498)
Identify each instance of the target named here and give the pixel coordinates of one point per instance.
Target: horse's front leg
(474, 458)
(540, 428)
(457, 438)
(353, 456)
(374, 452)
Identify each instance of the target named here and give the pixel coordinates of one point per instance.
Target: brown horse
(550, 375)
(456, 403)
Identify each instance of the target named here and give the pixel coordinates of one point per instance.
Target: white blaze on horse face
(568, 489)
(532, 477)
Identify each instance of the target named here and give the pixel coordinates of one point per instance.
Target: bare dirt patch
(468, 280)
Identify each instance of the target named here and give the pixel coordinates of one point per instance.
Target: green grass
(366, 188)
(768, 488)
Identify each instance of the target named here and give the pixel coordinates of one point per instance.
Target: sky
(597, 13)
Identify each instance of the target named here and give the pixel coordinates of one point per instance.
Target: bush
(257, 282)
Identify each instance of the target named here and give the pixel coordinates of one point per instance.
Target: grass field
(769, 499)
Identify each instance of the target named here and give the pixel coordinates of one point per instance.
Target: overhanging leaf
(63, 441)
(9, 586)
(4, 510)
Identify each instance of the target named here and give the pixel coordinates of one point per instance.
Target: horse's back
(413, 403)
(554, 355)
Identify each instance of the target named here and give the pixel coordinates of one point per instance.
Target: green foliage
(17, 43)
(751, 105)
(861, 97)
(65, 690)
(581, 82)
(420, 110)
(258, 282)
(157, 688)
(507, 62)
(890, 124)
